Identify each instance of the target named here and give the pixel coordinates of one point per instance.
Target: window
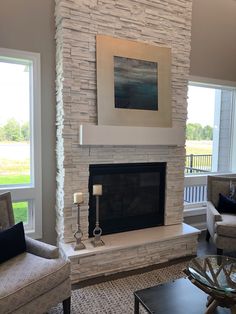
(210, 135)
(20, 136)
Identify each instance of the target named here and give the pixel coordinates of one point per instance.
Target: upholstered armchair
(35, 280)
(221, 224)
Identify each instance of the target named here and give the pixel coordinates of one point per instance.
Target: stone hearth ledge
(131, 250)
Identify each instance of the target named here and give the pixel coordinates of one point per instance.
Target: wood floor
(208, 248)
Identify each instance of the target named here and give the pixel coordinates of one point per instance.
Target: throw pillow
(226, 205)
(12, 242)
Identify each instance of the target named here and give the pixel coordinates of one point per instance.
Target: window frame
(191, 180)
(30, 192)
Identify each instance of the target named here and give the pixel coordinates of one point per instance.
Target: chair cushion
(28, 276)
(221, 186)
(12, 242)
(226, 227)
(226, 204)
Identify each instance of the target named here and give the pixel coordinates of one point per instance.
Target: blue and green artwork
(135, 84)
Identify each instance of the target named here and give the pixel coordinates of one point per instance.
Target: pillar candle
(78, 198)
(97, 189)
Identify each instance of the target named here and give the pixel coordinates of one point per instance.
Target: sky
(201, 101)
(14, 92)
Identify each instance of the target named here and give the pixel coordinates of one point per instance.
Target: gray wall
(214, 39)
(29, 25)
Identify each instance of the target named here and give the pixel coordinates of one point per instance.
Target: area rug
(116, 296)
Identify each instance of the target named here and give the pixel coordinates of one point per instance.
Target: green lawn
(8, 176)
(198, 147)
(14, 179)
(20, 211)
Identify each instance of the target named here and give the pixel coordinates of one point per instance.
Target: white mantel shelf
(125, 135)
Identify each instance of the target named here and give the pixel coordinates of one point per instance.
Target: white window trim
(210, 82)
(233, 134)
(216, 130)
(200, 208)
(34, 190)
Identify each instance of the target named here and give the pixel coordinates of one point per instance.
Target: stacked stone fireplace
(161, 23)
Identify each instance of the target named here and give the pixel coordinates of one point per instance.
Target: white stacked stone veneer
(156, 22)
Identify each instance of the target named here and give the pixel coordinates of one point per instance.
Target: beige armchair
(36, 280)
(221, 228)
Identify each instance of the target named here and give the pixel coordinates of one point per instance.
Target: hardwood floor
(208, 248)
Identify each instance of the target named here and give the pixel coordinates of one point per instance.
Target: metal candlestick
(79, 245)
(97, 231)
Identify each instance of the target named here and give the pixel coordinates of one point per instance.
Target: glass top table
(216, 272)
(215, 275)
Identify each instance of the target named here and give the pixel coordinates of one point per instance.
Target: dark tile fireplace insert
(133, 196)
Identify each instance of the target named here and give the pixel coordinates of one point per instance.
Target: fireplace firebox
(133, 196)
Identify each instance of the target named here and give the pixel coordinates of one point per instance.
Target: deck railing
(196, 164)
(195, 193)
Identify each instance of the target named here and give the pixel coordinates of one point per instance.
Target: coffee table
(216, 276)
(177, 297)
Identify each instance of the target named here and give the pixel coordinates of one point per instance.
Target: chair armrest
(213, 212)
(212, 217)
(41, 249)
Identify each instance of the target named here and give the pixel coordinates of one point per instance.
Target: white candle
(78, 198)
(97, 189)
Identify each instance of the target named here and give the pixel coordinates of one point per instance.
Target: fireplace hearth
(133, 196)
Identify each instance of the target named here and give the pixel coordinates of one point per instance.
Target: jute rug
(116, 296)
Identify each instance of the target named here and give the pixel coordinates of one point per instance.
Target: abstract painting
(135, 84)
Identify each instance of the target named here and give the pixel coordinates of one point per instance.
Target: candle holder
(97, 231)
(79, 245)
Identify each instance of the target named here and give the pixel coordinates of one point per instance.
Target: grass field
(15, 169)
(14, 179)
(198, 147)
(20, 211)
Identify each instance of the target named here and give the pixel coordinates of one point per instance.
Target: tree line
(14, 131)
(197, 132)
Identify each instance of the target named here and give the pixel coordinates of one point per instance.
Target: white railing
(195, 190)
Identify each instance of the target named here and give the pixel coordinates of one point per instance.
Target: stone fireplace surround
(163, 23)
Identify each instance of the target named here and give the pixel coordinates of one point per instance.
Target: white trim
(210, 82)
(216, 130)
(233, 134)
(36, 142)
(195, 211)
(198, 179)
(33, 191)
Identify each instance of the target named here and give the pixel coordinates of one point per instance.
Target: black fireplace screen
(133, 196)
